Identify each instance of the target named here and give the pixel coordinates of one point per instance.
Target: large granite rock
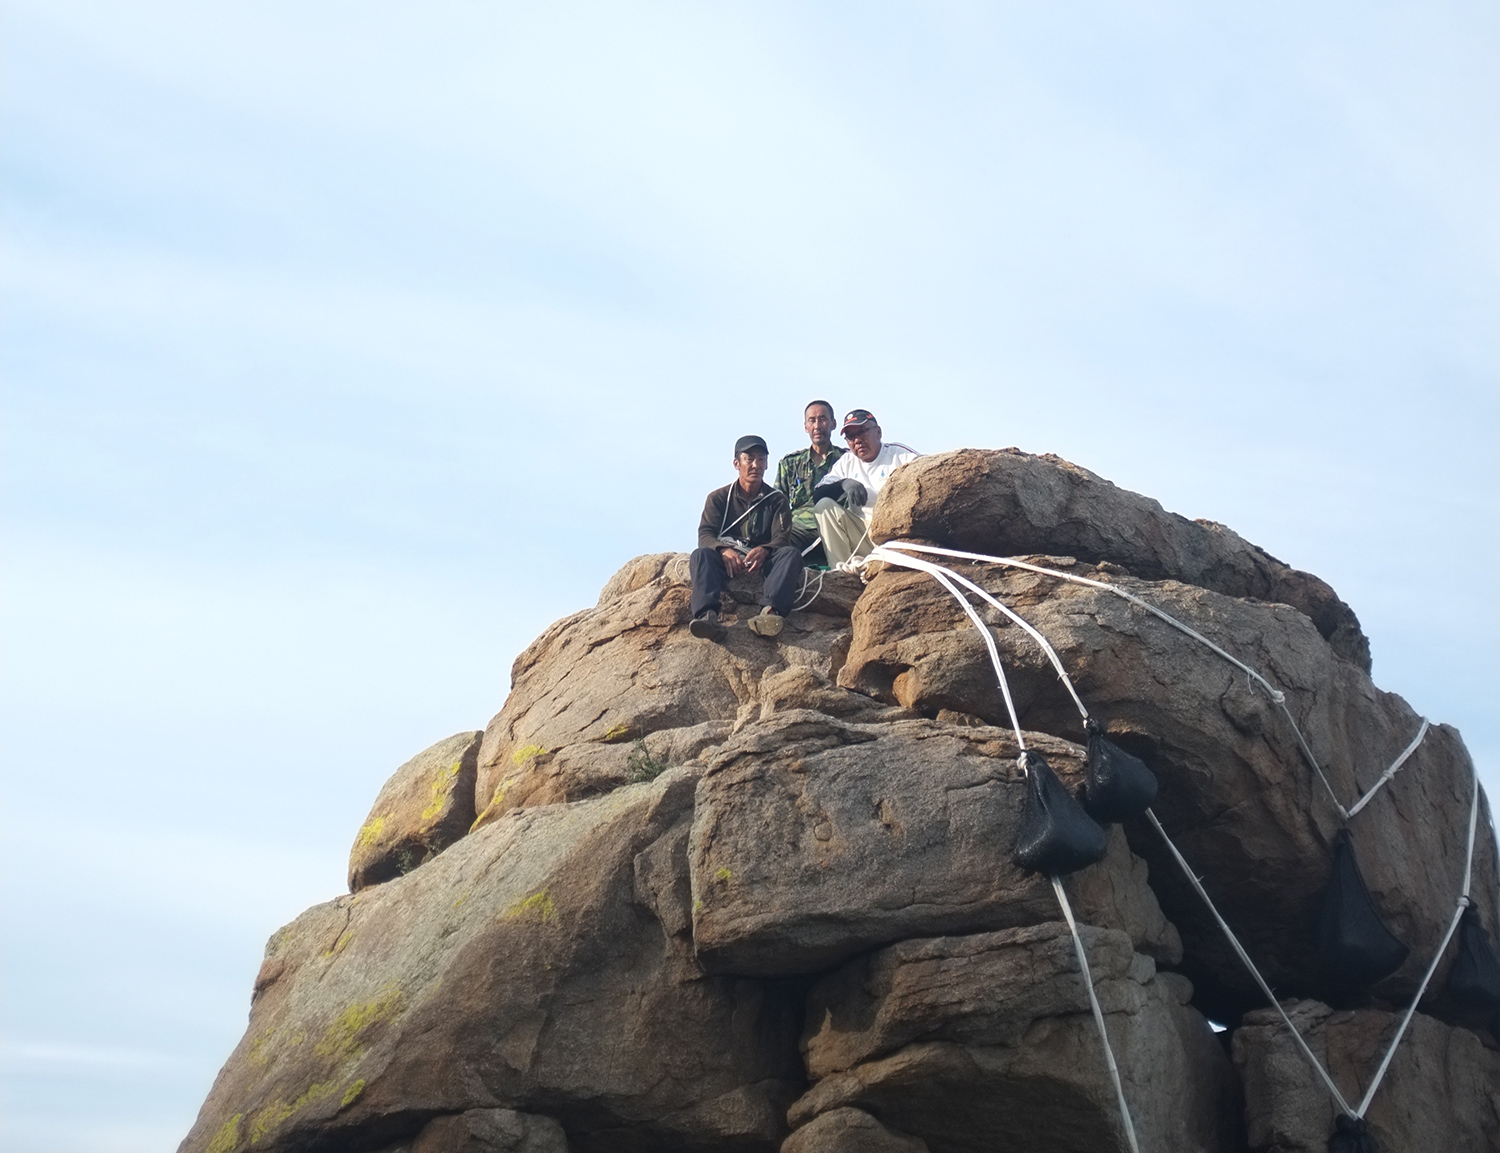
(816, 838)
(1442, 1090)
(540, 964)
(426, 805)
(704, 883)
(850, 1131)
(610, 693)
(978, 1042)
(1008, 503)
(1236, 793)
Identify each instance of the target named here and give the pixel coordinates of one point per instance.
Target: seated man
(801, 472)
(855, 480)
(746, 527)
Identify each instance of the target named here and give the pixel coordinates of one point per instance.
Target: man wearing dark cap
(845, 501)
(746, 527)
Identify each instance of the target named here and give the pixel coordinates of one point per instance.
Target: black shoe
(706, 626)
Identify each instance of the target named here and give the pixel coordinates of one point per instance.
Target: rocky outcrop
(957, 1040)
(426, 805)
(606, 694)
(1008, 503)
(1442, 1090)
(540, 964)
(686, 897)
(816, 838)
(1236, 794)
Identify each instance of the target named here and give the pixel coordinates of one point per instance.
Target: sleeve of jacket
(713, 516)
(781, 524)
(783, 476)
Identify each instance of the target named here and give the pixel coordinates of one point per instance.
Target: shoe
(767, 624)
(706, 626)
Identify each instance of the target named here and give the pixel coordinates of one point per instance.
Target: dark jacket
(769, 522)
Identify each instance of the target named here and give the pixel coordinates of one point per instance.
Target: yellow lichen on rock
(344, 1038)
(442, 780)
(352, 1093)
(537, 907)
(273, 1115)
(227, 1137)
(371, 831)
(527, 753)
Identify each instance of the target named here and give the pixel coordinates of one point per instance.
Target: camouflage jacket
(797, 475)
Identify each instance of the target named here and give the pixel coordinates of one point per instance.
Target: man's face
(752, 467)
(819, 424)
(864, 441)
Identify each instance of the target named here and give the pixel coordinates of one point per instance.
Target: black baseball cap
(856, 418)
(750, 444)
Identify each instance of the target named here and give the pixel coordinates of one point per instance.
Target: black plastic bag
(1056, 836)
(1350, 1136)
(1116, 786)
(1475, 976)
(1355, 949)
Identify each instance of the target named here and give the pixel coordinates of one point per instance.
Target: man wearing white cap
(845, 500)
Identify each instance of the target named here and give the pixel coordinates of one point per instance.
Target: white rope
(889, 557)
(1249, 964)
(1393, 770)
(994, 658)
(1088, 983)
(806, 578)
(1463, 903)
(1277, 696)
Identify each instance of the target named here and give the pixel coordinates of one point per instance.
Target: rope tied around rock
(894, 552)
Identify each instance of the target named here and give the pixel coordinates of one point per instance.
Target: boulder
(816, 838)
(1442, 1090)
(978, 1042)
(610, 694)
(492, 978)
(490, 1131)
(1236, 794)
(1008, 503)
(849, 1131)
(426, 805)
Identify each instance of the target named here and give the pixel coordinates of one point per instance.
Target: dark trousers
(783, 579)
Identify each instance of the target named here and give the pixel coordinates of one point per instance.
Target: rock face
(685, 897)
(815, 839)
(426, 806)
(1009, 503)
(1218, 748)
(1440, 1092)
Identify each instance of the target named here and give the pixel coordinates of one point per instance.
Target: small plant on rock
(641, 765)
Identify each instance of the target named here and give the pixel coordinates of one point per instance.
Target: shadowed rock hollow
(759, 896)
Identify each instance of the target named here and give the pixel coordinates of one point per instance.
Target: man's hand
(855, 492)
(756, 557)
(733, 565)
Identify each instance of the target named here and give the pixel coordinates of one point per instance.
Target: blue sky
(346, 346)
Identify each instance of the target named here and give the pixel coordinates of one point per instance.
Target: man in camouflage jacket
(801, 472)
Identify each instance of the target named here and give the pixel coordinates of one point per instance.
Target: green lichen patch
(723, 876)
(227, 1137)
(527, 753)
(345, 1038)
(617, 732)
(538, 907)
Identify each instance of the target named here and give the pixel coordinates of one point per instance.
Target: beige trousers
(845, 534)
